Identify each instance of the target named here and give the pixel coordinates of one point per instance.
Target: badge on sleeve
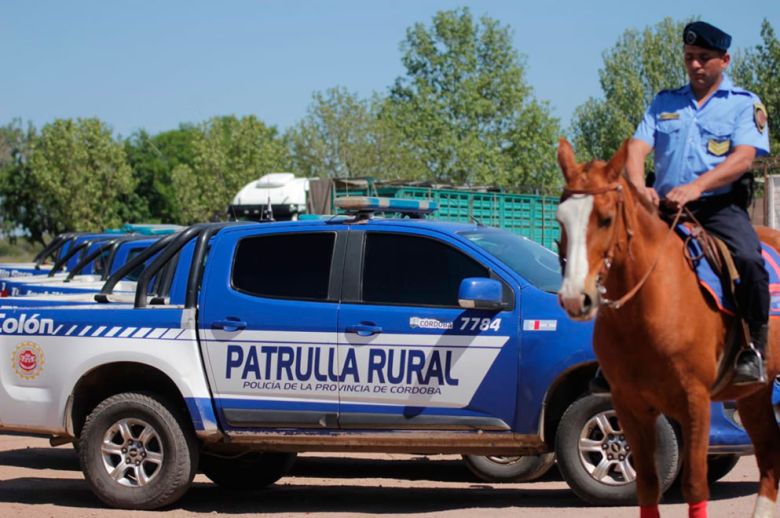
(760, 116)
(669, 116)
(718, 147)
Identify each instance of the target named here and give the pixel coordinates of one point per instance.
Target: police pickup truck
(354, 333)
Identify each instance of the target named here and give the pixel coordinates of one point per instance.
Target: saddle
(700, 244)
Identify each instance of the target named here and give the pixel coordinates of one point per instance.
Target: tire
(718, 466)
(247, 472)
(498, 468)
(159, 443)
(593, 419)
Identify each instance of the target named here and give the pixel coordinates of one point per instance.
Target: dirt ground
(37, 481)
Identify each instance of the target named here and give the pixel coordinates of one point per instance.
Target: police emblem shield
(760, 116)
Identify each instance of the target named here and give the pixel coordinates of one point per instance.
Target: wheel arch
(110, 379)
(567, 388)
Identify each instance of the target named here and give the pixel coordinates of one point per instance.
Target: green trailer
(525, 214)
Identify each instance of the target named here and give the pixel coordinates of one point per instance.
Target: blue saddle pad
(712, 285)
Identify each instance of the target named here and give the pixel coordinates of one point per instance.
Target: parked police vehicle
(352, 333)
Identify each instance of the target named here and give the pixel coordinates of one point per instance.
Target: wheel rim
(604, 452)
(132, 452)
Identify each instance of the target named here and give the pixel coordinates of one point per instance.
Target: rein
(608, 256)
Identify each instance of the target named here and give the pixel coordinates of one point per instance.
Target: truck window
(412, 270)
(291, 266)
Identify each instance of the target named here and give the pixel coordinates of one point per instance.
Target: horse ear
(618, 162)
(566, 159)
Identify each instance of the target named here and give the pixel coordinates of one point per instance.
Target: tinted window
(532, 261)
(403, 269)
(294, 266)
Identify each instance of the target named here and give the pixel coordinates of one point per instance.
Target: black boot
(598, 384)
(749, 367)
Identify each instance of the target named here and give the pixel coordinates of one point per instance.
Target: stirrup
(742, 379)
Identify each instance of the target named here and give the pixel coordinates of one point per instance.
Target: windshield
(533, 262)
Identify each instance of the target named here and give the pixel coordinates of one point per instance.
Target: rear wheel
(595, 459)
(499, 468)
(136, 453)
(248, 471)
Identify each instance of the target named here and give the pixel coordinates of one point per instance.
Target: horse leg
(695, 423)
(638, 423)
(759, 419)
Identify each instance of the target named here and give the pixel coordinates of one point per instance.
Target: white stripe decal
(85, 330)
(156, 333)
(112, 332)
(72, 328)
(171, 334)
(188, 334)
(127, 332)
(142, 332)
(99, 330)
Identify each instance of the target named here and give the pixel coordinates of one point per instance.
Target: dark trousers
(729, 222)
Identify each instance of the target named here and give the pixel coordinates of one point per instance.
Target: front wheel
(504, 468)
(137, 454)
(595, 458)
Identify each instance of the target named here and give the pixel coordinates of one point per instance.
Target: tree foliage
(75, 178)
(18, 205)
(464, 108)
(635, 69)
(758, 70)
(228, 153)
(342, 136)
(153, 159)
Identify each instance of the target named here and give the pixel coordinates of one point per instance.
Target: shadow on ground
(295, 494)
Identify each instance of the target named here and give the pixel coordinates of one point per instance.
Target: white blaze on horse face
(574, 215)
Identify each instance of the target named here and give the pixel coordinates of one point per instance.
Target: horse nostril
(587, 303)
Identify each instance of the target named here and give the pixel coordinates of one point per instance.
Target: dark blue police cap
(702, 34)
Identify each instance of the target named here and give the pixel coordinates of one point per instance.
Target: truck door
(268, 325)
(411, 357)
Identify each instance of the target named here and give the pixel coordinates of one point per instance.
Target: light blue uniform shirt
(690, 140)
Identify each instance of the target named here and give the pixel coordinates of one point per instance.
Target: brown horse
(659, 350)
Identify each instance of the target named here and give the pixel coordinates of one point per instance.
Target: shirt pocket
(668, 133)
(716, 137)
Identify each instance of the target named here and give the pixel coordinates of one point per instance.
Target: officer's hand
(683, 194)
(651, 195)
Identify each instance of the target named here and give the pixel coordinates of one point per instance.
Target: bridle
(613, 241)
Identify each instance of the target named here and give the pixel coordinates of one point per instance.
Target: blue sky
(143, 64)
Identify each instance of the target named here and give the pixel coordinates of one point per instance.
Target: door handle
(364, 329)
(229, 324)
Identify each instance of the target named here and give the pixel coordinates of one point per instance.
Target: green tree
(153, 159)
(635, 69)
(464, 108)
(342, 136)
(228, 153)
(76, 178)
(758, 70)
(18, 197)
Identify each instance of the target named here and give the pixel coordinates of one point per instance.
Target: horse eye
(605, 222)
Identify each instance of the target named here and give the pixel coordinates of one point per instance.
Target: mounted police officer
(705, 136)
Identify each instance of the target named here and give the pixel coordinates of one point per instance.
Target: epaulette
(677, 90)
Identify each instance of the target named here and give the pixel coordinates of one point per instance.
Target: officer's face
(704, 66)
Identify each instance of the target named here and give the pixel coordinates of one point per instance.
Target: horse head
(590, 208)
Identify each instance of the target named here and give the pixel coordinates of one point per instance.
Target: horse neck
(643, 239)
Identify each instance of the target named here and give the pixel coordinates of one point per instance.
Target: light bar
(356, 204)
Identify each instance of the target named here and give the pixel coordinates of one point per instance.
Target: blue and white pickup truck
(356, 333)
(101, 259)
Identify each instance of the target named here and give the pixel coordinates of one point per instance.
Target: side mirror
(480, 293)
